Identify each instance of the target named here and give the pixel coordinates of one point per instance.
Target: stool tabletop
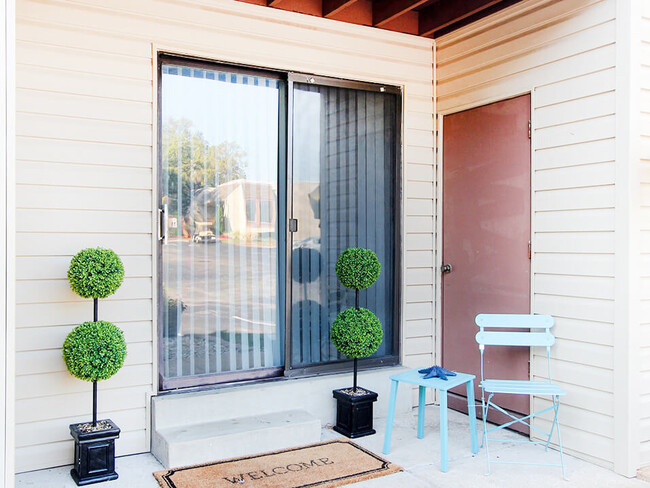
(412, 376)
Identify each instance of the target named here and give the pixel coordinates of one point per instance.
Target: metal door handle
(162, 224)
(446, 268)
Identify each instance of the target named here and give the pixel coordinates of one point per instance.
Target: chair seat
(521, 387)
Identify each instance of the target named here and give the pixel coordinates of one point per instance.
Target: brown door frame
(439, 136)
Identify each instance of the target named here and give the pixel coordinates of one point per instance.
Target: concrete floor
(420, 459)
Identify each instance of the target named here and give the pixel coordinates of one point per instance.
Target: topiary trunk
(95, 319)
(356, 361)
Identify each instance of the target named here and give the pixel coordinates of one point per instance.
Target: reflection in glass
(344, 162)
(219, 150)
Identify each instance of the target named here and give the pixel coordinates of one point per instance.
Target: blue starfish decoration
(436, 372)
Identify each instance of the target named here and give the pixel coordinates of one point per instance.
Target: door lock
(446, 268)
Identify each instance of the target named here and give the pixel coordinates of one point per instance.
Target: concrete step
(184, 417)
(182, 445)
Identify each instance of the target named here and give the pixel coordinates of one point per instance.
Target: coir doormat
(322, 465)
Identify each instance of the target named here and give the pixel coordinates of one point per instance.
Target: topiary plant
(357, 332)
(357, 268)
(94, 351)
(95, 273)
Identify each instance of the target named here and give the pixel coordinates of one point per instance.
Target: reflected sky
(238, 112)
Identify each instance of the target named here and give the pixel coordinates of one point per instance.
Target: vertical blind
(344, 184)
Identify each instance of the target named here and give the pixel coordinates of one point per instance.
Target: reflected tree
(200, 163)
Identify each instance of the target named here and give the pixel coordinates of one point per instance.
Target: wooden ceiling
(426, 18)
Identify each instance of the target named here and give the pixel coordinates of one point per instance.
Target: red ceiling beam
(332, 7)
(383, 11)
(442, 14)
(426, 18)
(309, 7)
(475, 17)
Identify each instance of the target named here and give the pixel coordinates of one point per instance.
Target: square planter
(94, 454)
(354, 413)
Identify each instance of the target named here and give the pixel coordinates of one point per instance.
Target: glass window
(266, 211)
(251, 210)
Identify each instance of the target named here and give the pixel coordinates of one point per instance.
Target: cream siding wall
(564, 54)
(85, 174)
(7, 248)
(645, 229)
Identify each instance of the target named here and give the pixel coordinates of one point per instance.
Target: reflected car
(204, 235)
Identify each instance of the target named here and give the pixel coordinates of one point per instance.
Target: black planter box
(94, 454)
(354, 413)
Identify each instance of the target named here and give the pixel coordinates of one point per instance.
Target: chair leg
(559, 437)
(550, 434)
(483, 413)
(554, 425)
(391, 416)
(486, 407)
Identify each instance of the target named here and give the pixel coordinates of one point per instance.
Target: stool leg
(444, 464)
(471, 412)
(421, 404)
(391, 415)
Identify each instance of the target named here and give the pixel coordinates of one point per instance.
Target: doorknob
(446, 268)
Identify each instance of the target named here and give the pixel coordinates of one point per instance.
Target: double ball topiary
(94, 351)
(95, 273)
(357, 268)
(356, 332)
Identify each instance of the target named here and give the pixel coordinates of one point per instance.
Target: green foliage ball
(94, 351)
(357, 268)
(356, 332)
(95, 273)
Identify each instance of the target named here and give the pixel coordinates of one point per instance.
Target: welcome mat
(322, 465)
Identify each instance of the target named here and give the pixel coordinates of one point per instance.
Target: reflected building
(239, 209)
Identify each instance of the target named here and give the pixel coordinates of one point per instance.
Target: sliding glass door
(219, 149)
(264, 179)
(344, 191)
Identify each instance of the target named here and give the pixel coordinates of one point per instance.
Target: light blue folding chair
(530, 331)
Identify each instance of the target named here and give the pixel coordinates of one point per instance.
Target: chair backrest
(534, 332)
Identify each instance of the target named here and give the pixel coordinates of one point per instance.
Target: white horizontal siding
(644, 172)
(82, 152)
(47, 291)
(52, 336)
(564, 54)
(85, 177)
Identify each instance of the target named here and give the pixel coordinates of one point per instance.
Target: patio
(419, 458)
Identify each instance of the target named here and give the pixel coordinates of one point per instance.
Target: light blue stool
(415, 378)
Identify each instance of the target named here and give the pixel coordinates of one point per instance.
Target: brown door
(486, 233)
